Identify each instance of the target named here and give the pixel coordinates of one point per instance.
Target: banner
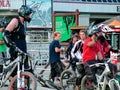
(63, 24)
(42, 16)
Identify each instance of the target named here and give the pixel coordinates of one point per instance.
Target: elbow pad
(6, 36)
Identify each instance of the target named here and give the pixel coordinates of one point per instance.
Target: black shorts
(56, 69)
(78, 79)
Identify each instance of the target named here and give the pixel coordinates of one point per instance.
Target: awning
(114, 23)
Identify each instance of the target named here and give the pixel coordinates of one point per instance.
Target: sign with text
(118, 8)
(10, 4)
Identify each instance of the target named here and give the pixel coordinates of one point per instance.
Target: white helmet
(105, 28)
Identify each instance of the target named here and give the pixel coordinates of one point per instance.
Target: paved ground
(45, 74)
(38, 88)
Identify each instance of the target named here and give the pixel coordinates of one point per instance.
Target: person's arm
(73, 50)
(12, 25)
(110, 48)
(57, 49)
(1, 42)
(91, 43)
(100, 57)
(67, 53)
(6, 32)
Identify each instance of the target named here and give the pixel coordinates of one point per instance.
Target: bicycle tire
(114, 85)
(67, 75)
(86, 84)
(32, 85)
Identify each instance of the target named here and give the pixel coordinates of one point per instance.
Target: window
(38, 36)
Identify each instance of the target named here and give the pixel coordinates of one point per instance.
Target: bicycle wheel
(114, 85)
(29, 80)
(68, 79)
(86, 84)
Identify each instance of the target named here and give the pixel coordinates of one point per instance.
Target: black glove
(101, 61)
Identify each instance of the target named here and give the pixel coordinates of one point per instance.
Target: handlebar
(20, 52)
(97, 64)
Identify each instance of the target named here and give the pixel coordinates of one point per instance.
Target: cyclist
(78, 48)
(14, 33)
(106, 47)
(91, 54)
(74, 38)
(102, 37)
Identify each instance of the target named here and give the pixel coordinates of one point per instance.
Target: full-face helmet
(3, 23)
(25, 11)
(105, 28)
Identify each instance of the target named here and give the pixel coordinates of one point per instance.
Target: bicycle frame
(102, 83)
(19, 71)
(7, 70)
(103, 78)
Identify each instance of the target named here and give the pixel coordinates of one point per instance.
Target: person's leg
(53, 72)
(78, 82)
(59, 70)
(90, 71)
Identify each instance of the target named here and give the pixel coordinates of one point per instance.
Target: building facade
(89, 10)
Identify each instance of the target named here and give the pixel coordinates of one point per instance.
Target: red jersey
(104, 49)
(90, 53)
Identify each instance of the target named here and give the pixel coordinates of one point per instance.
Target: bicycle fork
(20, 81)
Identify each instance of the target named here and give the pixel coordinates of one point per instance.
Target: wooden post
(77, 17)
(76, 14)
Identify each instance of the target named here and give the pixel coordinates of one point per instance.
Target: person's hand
(66, 60)
(102, 61)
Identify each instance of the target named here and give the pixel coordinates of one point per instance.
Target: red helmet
(105, 28)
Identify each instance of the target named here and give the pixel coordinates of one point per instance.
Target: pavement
(38, 88)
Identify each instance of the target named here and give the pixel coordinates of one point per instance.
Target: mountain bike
(103, 77)
(69, 77)
(23, 80)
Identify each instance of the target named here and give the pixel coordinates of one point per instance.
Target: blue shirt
(54, 56)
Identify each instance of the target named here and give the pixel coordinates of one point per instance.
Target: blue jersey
(54, 56)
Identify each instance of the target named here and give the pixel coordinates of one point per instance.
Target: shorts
(56, 69)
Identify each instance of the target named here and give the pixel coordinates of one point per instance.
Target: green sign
(63, 24)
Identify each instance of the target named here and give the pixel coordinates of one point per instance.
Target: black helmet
(93, 30)
(24, 11)
(3, 22)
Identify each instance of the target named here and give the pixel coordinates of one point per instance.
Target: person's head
(25, 12)
(56, 35)
(105, 29)
(93, 31)
(74, 38)
(82, 34)
(1, 24)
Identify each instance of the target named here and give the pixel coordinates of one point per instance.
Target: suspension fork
(18, 72)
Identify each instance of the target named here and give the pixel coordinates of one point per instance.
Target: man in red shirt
(91, 53)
